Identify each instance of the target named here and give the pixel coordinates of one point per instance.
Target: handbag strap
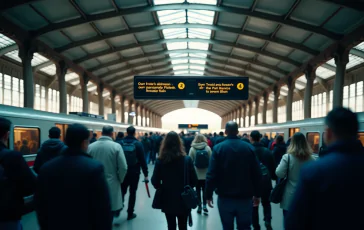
(186, 171)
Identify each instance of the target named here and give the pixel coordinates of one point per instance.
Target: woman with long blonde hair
(168, 176)
(298, 153)
(200, 154)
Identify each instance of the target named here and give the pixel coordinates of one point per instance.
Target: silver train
(30, 128)
(313, 129)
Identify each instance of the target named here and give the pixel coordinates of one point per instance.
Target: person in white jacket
(111, 155)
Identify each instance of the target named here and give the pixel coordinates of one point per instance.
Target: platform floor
(152, 219)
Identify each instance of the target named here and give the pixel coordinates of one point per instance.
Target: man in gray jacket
(111, 155)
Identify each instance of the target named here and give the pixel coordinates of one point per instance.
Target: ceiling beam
(240, 11)
(192, 51)
(41, 66)
(356, 5)
(8, 49)
(268, 38)
(357, 52)
(210, 41)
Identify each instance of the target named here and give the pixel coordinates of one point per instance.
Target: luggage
(130, 152)
(202, 159)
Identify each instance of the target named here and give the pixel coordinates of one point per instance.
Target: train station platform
(151, 219)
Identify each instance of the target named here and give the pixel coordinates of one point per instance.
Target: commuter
(111, 155)
(134, 154)
(268, 168)
(24, 149)
(279, 149)
(16, 181)
(93, 139)
(219, 138)
(72, 192)
(298, 153)
(200, 154)
(330, 191)
(158, 140)
(209, 142)
(119, 137)
(235, 174)
(168, 175)
(245, 138)
(50, 149)
(187, 142)
(272, 142)
(146, 146)
(214, 139)
(265, 141)
(152, 157)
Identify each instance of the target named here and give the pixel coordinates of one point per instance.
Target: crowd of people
(82, 183)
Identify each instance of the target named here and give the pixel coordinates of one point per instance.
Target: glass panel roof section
(38, 59)
(201, 16)
(162, 2)
(198, 55)
(5, 41)
(171, 16)
(360, 46)
(331, 62)
(197, 67)
(208, 2)
(105, 94)
(201, 62)
(174, 33)
(180, 72)
(14, 55)
(198, 45)
(354, 61)
(71, 76)
(175, 55)
(190, 103)
(196, 72)
(50, 70)
(91, 86)
(181, 67)
(179, 61)
(199, 33)
(177, 45)
(324, 73)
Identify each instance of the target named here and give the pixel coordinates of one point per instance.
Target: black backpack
(202, 159)
(6, 188)
(259, 153)
(129, 152)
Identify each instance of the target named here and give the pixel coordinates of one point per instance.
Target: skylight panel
(199, 33)
(198, 55)
(176, 55)
(331, 62)
(197, 67)
(198, 45)
(5, 41)
(50, 70)
(71, 76)
(354, 61)
(177, 45)
(208, 2)
(14, 55)
(180, 72)
(174, 33)
(324, 73)
(92, 88)
(360, 46)
(163, 2)
(75, 82)
(171, 16)
(38, 59)
(196, 72)
(180, 67)
(105, 94)
(179, 61)
(201, 16)
(201, 62)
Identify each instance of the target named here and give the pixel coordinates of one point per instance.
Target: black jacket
(219, 139)
(170, 178)
(278, 152)
(147, 145)
(92, 140)
(21, 179)
(329, 193)
(50, 149)
(187, 143)
(157, 143)
(265, 156)
(234, 170)
(140, 155)
(72, 194)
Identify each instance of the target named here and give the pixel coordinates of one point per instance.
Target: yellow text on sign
(240, 86)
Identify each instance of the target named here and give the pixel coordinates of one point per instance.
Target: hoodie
(50, 149)
(201, 173)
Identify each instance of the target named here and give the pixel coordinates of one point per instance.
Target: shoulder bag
(276, 195)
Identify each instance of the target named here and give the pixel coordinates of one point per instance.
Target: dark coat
(329, 194)
(170, 178)
(50, 149)
(187, 143)
(72, 194)
(278, 152)
(265, 156)
(135, 169)
(21, 179)
(234, 170)
(219, 139)
(147, 145)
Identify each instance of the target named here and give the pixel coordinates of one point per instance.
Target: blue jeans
(11, 225)
(241, 209)
(146, 156)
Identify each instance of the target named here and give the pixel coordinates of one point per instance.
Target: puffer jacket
(201, 173)
(50, 149)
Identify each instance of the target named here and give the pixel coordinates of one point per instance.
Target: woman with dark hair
(169, 176)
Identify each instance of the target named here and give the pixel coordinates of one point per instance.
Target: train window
(292, 131)
(280, 134)
(268, 135)
(361, 137)
(63, 128)
(99, 134)
(313, 140)
(26, 140)
(274, 135)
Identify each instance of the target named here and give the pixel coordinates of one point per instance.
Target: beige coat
(111, 155)
(201, 173)
(295, 166)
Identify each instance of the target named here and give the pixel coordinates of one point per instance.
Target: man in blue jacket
(72, 192)
(235, 174)
(16, 181)
(330, 191)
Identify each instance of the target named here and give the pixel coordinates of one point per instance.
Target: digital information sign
(192, 126)
(191, 88)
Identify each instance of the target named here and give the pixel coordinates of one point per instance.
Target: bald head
(231, 128)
